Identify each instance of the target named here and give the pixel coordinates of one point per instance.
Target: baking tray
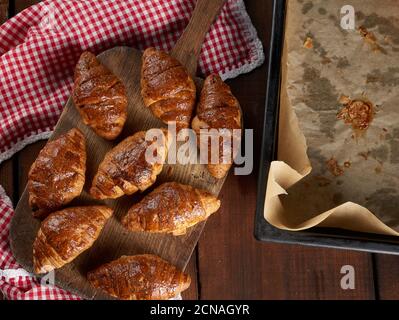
(319, 237)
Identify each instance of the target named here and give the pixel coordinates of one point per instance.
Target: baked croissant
(166, 88)
(171, 208)
(125, 169)
(140, 277)
(218, 109)
(65, 234)
(100, 97)
(58, 174)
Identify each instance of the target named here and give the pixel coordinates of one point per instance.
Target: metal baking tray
(319, 237)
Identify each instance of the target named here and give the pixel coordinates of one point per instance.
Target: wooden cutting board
(115, 241)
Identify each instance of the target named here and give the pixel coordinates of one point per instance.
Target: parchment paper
(321, 63)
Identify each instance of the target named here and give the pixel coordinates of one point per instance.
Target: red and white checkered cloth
(39, 49)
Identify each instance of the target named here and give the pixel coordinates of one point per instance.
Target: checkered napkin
(38, 51)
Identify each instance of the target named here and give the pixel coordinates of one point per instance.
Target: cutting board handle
(188, 47)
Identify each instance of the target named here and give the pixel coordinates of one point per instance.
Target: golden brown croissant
(100, 97)
(58, 174)
(141, 277)
(65, 234)
(167, 89)
(218, 109)
(125, 168)
(171, 208)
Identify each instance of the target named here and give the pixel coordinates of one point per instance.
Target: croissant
(58, 174)
(100, 97)
(171, 208)
(125, 169)
(65, 234)
(140, 277)
(166, 88)
(218, 109)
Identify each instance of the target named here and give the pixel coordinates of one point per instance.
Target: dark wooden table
(228, 262)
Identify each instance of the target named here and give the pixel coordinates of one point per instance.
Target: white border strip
(23, 143)
(8, 274)
(254, 41)
(5, 197)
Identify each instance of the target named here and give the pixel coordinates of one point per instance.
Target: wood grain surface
(229, 262)
(3, 10)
